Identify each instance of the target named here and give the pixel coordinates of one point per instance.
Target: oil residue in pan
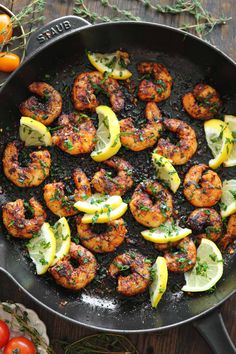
(185, 76)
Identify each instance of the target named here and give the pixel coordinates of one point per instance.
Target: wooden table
(184, 339)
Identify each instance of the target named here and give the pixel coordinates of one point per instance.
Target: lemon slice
(108, 134)
(207, 270)
(112, 63)
(42, 248)
(231, 121)
(228, 198)
(98, 203)
(62, 235)
(159, 283)
(166, 171)
(219, 140)
(100, 218)
(34, 133)
(167, 232)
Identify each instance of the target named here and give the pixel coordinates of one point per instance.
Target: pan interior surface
(190, 62)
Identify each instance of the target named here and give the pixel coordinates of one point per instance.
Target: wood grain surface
(184, 339)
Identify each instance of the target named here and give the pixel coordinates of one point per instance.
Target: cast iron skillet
(58, 50)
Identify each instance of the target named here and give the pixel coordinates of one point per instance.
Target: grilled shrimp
(104, 241)
(158, 89)
(183, 257)
(206, 222)
(86, 85)
(75, 277)
(13, 215)
(139, 279)
(202, 103)
(186, 147)
(230, 235)
(30, 176)
(62, 205)
(142, 207)
(138, 139)
(47, 107)
(202, 186)
(76, 136)
(104, 183)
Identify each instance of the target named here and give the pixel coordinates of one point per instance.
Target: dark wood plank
(184, 339)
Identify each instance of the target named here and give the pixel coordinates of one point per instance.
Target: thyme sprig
(100, 343)
(205, 22)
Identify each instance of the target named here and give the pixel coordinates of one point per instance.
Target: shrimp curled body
(202, 186)
(158, 89)
(77, 135)
(30, 176)
(135, 283)
(138, 139)
(230, 235)
(47, 107)
(202, 103)
(187, 146)
(206, 222)
(183, 257)
(85, 86)
(119, 185)
(106, 241)
(62, 205)
(142, 207)
(75, 278)
(13, 215)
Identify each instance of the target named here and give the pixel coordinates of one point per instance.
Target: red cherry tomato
(4, 334)
(20, 345)
(8, 62)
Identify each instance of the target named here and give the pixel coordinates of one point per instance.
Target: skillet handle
(213, 330)
(53, 30)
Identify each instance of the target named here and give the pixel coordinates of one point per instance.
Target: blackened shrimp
(158, 88)
(202, 186)
(183, 257)
(186, 147)
(139, 279)
(75, 277)
(47, 107)
(13, 215)
(147, 212)
(88, 83)
(77, 134)
(119, 185)
(202, 103)
(63, 205)
(206, 223)
(230, 235)
(30, 176)
(105, 240)
(138, 139)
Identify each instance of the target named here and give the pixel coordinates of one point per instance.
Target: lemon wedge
(231, 121)
(108, 134)
(167, 232)
(114, 64)
(228, 198)
(219, 140)
(34, 133)
(98, 203)
(166, 171)
(159, 283)
(62, 235)
(99, 218)
(207, 270)
(42, 248)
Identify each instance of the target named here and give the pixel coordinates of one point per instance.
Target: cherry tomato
(20, 345)
(5, 29)
(8, 62)
(4, 334)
